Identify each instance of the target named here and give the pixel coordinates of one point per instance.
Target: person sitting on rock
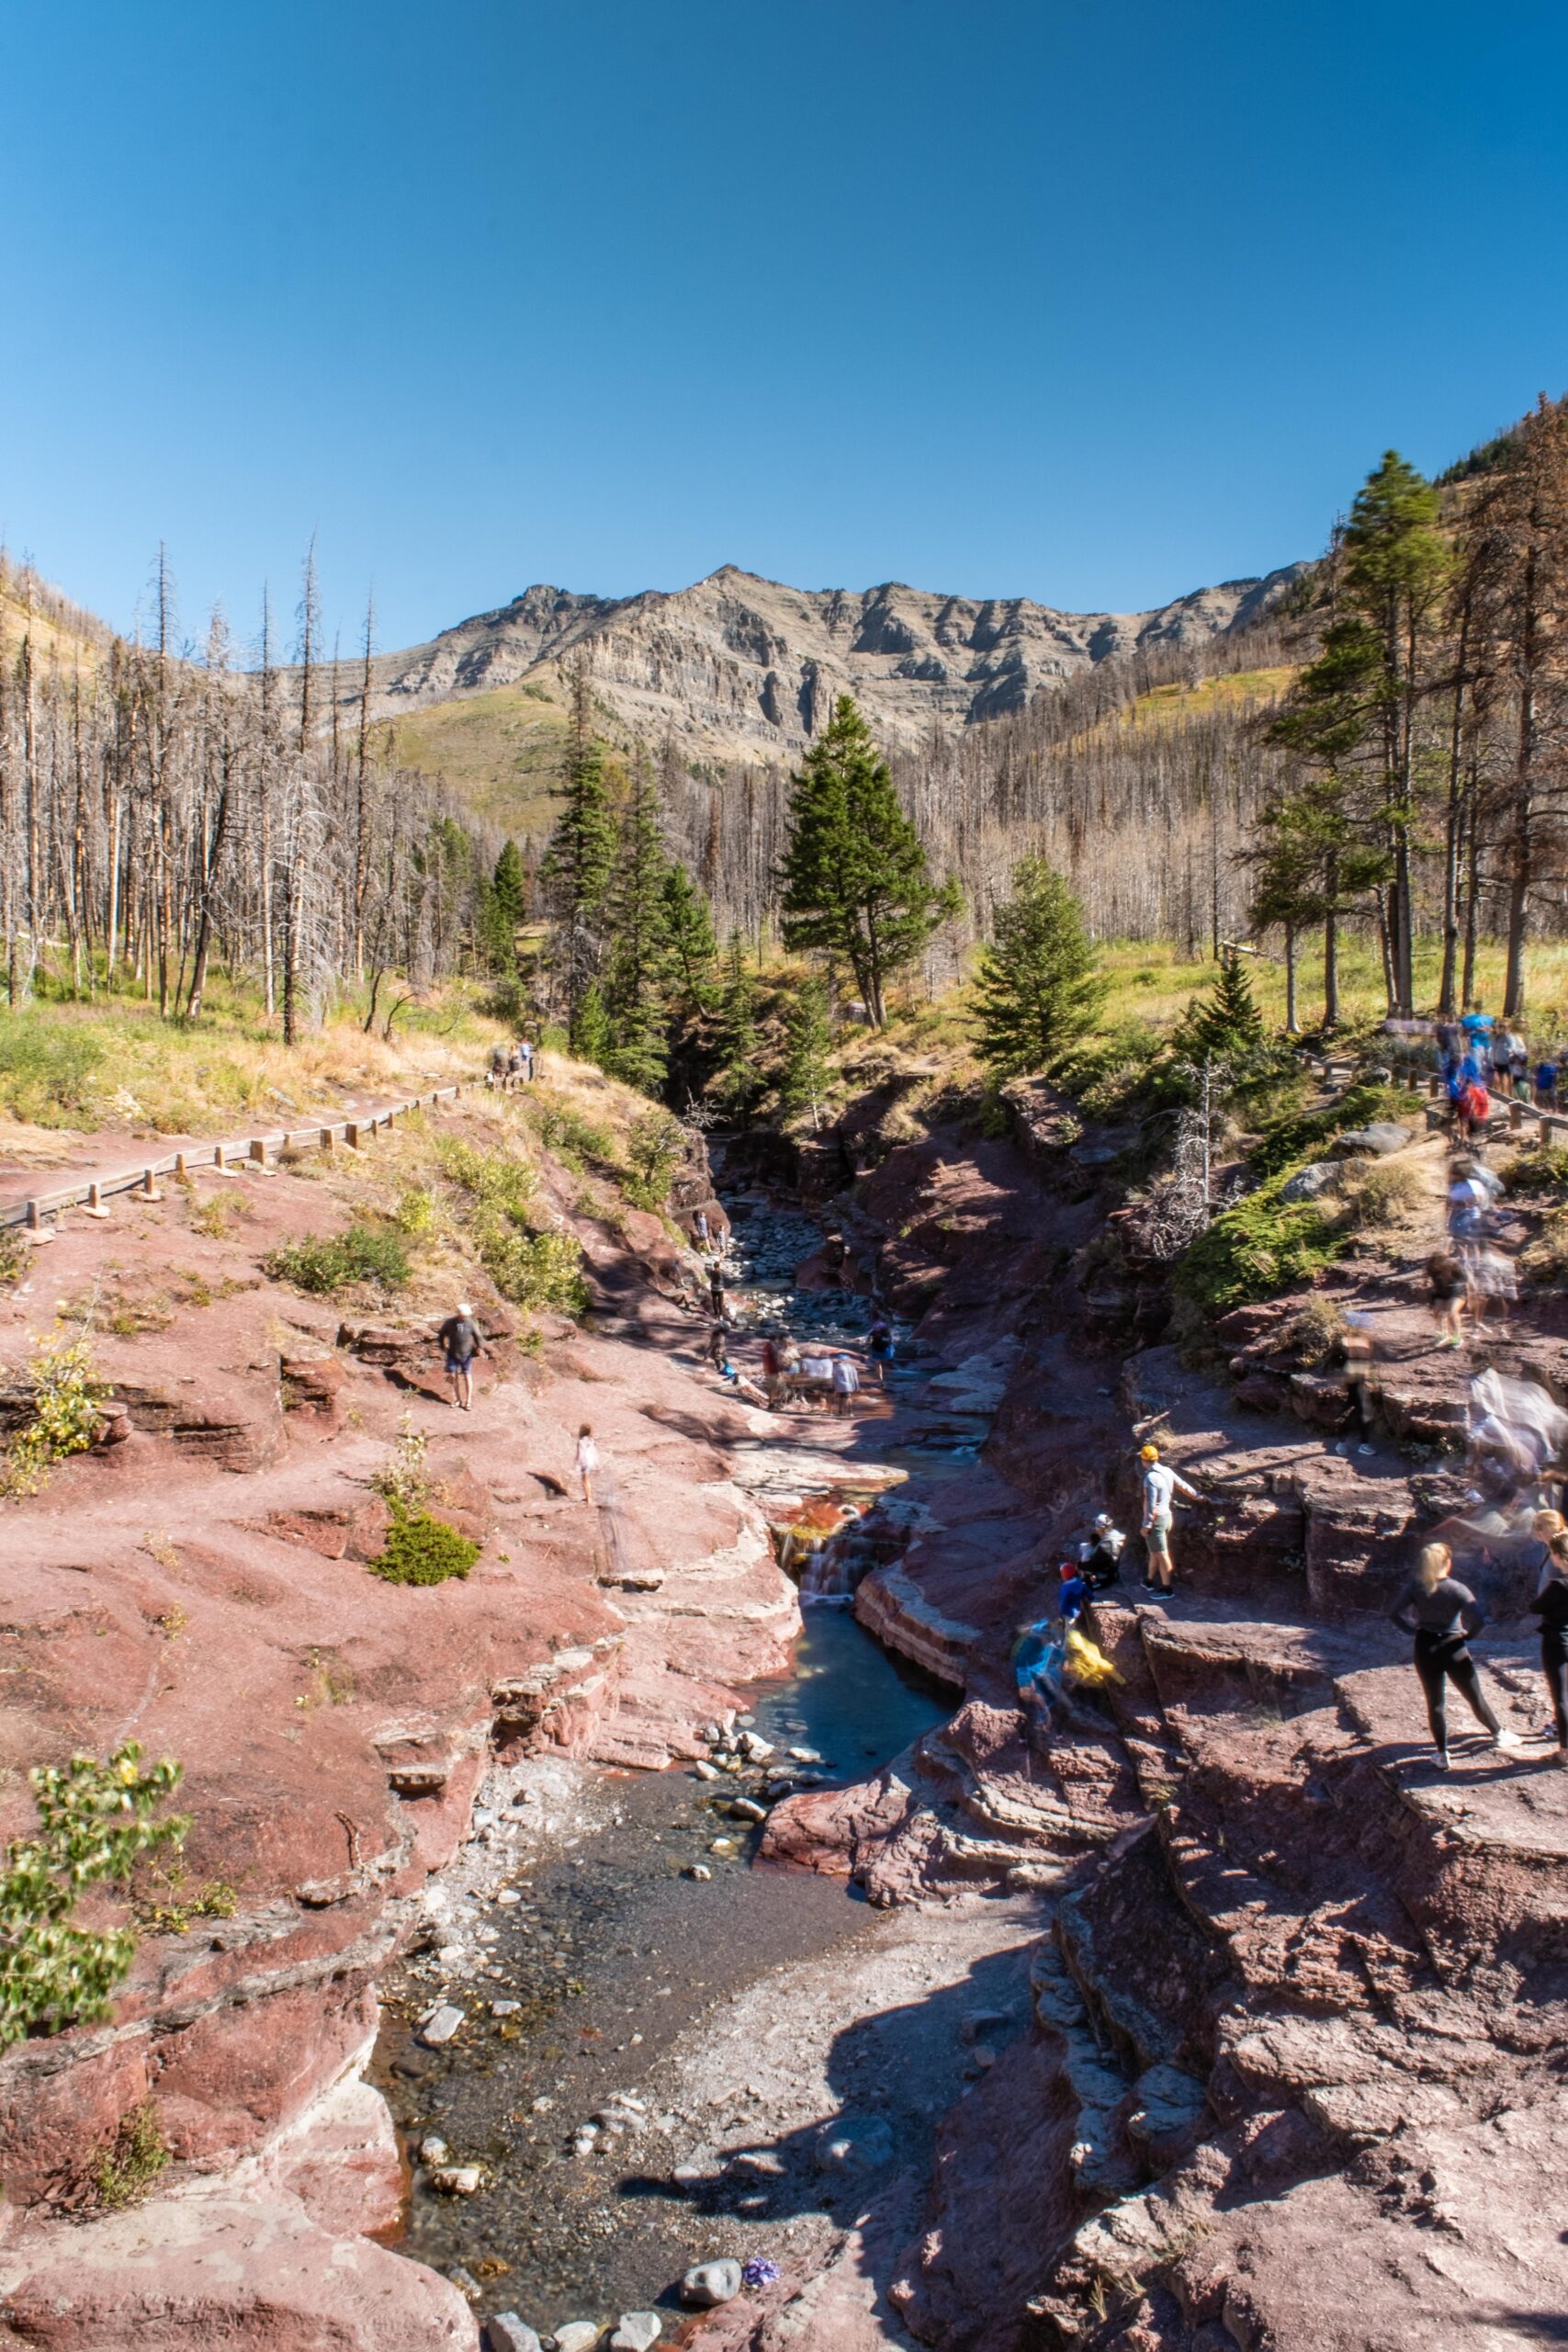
(1161, 1486)
(459, 1340)
(1099, 1557)
(1443, 1614)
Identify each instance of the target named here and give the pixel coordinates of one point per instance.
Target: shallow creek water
(610, 1965)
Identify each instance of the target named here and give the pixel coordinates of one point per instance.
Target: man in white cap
(461, 1343)
(1100, 1559)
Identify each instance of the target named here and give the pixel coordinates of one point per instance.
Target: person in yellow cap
(1161, 1486)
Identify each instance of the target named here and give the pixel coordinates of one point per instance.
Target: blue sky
(1052, 298)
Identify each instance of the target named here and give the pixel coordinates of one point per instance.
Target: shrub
(95, 1821)
(323, 1263)
(1303, 1135)
(537, 1270)
(128, 2167)
(63, 1418)
(45, 1068)
(1380, 1192)
(1258, 1248)
(654, 1152)
(573, 1139)
(403, 1479)
(421, 1549)
(1543, 1169)
(1315, 1332)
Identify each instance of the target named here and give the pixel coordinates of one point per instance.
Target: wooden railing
(224, 1159)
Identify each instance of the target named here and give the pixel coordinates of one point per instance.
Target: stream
(611, 1938)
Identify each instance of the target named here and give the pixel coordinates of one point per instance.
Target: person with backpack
(1100, 1558)
(460, 1341)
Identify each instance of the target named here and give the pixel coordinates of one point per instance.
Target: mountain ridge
(741, 667)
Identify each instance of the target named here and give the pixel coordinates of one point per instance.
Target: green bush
(1304, 1136)
(45, 1069)
(1543, 1169)
(322, 1263)
(62, 1416)
(574, 1140)
(654, 1152)
(129, 2168)
(421, 1549)
(95, 1821)
(536, 1269)
(1260, 1247)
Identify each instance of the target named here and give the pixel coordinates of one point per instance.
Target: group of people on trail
(1478, 1060)
(511, 1064)
(1444, 1615)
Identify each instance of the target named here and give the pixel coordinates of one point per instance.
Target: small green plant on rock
(130, 2167)
(1316, 1329)
(421, 1549)
(64, 1395)
(1262, 1246)
(95, 1820)
(1542, 1169)
(654, 1152)
(322, 1263)
(402, 1478)
(1381, 1192)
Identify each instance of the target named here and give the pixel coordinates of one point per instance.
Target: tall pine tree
(637, 924)
(854, 876)
(581, 858)
(809, 1041)
(1039, 990)
(510, 884)
(736, 1083)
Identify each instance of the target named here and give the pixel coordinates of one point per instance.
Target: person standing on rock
(1161, 1486)
(846, 1384)
(587, 1459)
(1551, 1605)
(879, 1345)
(716, 1287)
(1443, 1615)
(461, 1343)
(699, 1230)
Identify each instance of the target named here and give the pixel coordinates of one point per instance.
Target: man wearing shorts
(461, 1343)
(1161, 1486)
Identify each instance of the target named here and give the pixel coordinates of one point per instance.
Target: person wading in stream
(1161, 1486)
(460, 1341)
(587, 1459)
(1443, 1614)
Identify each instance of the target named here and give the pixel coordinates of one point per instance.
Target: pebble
(709, 2283)
(504, 2331)
(639, 2332)
(451, 1956)
(807, 1755)
(577, 2335)
(751, 1744)
(456, 2181)
(696, 1869)
(508, 1895)
(704, 1771)
(722, 1846)
(747, 1809)
(440, 2025)
(504, 2009)
(433, 2149)
(465, 2283)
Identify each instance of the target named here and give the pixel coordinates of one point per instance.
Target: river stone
(696, 1869)
(747, 1809)
(456, 2180)
(1308, 1183)
(709, 2283)
(758, 1749)
(704, 1771)
(855, 2144)
(639, 2332)
(1374, 1142)
(440, 2025)
(577, 2335)
(504, 2331)
(433, 2149)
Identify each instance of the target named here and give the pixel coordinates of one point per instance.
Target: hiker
(817, 1373)
(846, 1384)
(1161, 1485)
(1470, 1195)
(1511, 1060)
(1445, 1279)
(718, 1345)
(1358, 1350)
(1489, 1276)
(526, 1048)
(1072, 1594)
(879, 1345)
(496, 1074)
(715, 1287)
(586, 1459)
(1443, 1614)
(789, 1369)
(459, 1340)
(699, 1230)
(513, 1068)
(1546, 1083)
(1100, 1558)
(1036, 1666)
(1473, 1110)
(1551, 1605)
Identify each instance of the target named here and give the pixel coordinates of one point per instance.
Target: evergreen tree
(638, 925)
(1039, 990)
(1225, 1025)
(589, 1035)
(809, 1041)
(495, 941)
(580, 858)
(736, 1084)
(854, 877)
(512, 884)
(691, 949)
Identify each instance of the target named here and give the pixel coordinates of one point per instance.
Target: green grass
(501, 753)
(324, 1264)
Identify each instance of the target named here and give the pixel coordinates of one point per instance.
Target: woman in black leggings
(1443, 1613)
(1551, 1605)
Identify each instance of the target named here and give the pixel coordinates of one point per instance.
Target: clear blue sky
(1088, 302)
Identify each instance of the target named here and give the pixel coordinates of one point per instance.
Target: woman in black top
(1551, 1605)
(1443, 1613)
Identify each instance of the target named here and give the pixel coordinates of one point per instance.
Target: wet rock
(751, 1744)
(746, 1809)
(440, 2025)
(707, 2284)
(637, 2332)
(456, 2181)
(577, 2335)
(704, 1771)
(504, 2331)
(504, 2009)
